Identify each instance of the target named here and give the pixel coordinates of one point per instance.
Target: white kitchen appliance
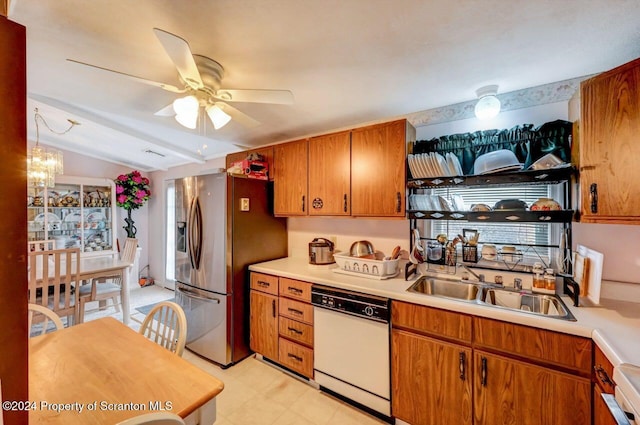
(223, 224)
(351, 347)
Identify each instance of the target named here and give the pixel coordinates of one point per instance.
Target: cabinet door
(430, 380)
(330, 174)
(609, 152)
(512, 392)
(263, 334)
(290, 178)
(378, 170)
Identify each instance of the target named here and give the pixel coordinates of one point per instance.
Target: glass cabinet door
(77, 212)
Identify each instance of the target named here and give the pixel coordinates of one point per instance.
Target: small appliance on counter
(321, 251)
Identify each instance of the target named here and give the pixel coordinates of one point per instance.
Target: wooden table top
(112, 373)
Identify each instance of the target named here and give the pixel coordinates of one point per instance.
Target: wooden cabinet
(359, 173)
(281, 322)
(609, 152)
(603, 383)
(330, 174)
(378, 171)
(486, 372)
(296, 326)
(290, 178)
(263, 333)
(431, 382)
(508, 391)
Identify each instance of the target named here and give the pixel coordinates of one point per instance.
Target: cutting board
(595, 261)
(581, 271)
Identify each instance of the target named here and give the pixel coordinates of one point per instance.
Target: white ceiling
(347, 62)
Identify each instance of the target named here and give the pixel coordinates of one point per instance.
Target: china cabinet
(76, 212)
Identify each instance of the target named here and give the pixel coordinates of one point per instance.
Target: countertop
(613, 325)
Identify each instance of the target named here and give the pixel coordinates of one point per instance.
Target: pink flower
(123, 178)
(145, 180)
(136, 173)
(122, 199)
(141, 194)
(137, 179)
(119, 189)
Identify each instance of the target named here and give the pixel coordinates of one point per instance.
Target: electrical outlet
(244, 204)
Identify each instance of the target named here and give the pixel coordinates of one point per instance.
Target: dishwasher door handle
(619, 415)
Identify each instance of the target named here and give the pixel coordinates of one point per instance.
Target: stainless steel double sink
(493, 296)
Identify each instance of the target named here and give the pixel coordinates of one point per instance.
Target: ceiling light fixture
(488, 105)
(186, 109)
(218, 117)
(43, 164)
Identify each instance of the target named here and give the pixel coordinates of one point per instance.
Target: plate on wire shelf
(51, 218)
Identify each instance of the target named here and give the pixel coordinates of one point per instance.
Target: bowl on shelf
(480, 207)
(496, 161)
(510, 205)
(545, 204)
(548, 161)
(362, 249)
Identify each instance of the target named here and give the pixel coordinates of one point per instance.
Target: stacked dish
(433, 165)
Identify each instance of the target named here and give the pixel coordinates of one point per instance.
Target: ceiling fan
(201, 82)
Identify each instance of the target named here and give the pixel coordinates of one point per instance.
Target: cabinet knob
(303, 197)
(345, 202)
(462, 365)
(483, 372)
(398, 202)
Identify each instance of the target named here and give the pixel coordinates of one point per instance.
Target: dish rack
(366, 267)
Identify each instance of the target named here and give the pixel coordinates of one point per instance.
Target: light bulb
(218, 117)
(487, 107)
(186, 109)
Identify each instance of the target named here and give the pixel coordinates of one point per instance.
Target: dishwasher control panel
(354, 303)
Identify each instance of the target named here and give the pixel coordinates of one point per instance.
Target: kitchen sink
(539, 304)
(493, 296)
(445, 288)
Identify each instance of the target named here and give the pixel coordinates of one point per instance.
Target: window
(533, 239)
(170, 231)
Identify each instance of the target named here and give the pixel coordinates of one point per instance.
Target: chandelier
(43, 164)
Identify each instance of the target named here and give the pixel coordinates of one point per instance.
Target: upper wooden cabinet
(609, 152)
(378, 172)
(290, 178)
(330, 174)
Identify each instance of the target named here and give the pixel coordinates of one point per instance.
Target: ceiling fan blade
(282, 97)
(238, 116)
(167, 111)
(167, 87)
(180, 53)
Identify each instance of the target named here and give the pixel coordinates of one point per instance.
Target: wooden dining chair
(54, 277)
(44, 245)
(166, 325)
(155, 418)
(40, 315)
(108, 287)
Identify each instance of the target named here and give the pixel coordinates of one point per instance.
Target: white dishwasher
(351, 347)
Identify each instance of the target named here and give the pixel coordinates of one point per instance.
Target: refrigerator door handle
(195, 233)
(192, 294)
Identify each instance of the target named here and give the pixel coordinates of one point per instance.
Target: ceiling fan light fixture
(488, 105)
(186, 109)
(218, 117)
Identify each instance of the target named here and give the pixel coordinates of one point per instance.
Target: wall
(82, 166)
(157, 214)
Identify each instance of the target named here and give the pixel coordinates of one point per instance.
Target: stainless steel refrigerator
(223, 224)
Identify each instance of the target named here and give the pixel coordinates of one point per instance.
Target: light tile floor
(255, 392)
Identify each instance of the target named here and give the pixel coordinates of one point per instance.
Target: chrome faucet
(480, 277)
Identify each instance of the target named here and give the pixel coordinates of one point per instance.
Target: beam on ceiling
(87, 115)
(58, 144)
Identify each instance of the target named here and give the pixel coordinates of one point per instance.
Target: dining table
(104, 372)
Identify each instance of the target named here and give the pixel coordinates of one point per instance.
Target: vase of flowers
(132, 191)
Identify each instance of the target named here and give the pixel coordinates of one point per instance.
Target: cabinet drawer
(555, 348)
(603, 372)
(295, 289)
(296, 357)
(296, 310)
(265, 283)
(431, 321)
(296, 331)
